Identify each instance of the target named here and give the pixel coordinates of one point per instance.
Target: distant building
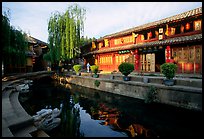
(36, 50)
(150, 45)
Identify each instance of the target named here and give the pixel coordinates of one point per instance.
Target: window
(177, 29)
(145, 36)
(100, 45)
(153, 34)
(173, 30)
(197, 25)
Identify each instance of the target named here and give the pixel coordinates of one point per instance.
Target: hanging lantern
(136, 51)
(122, 40)
(167, 54)
(137, 56)
(150, 35)
(167, 60)
(187, 26)
(136, 62)
(168, 48)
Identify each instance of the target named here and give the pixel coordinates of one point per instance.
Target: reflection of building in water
(119, 121)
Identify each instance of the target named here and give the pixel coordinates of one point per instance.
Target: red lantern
(167, 60)
(168, 48)
(187, 26)
(150, 34)
(136, 51)
(167, 54)
(137, 56)
(136, 62)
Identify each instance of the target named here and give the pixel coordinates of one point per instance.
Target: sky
(102, 18)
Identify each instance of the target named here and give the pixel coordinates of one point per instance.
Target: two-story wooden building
(152, 44)
(35, 52)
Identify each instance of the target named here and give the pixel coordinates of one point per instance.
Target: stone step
(24, 132)
(5, 130)
(39, 133)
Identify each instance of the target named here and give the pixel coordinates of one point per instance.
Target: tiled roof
(35, 41)
(194, 12)
(170, 41)
(30, 39)
(30, 53)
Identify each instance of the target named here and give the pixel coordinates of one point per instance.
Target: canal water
(91, 113)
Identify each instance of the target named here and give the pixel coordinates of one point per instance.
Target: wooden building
(152, 44)
(36, 50)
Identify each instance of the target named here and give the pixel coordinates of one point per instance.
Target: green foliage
(96, 83)
(77, 68)
(65, 32)
(85, 40)
(14, 44)
(169, 70)
(47, 57)
(126, 68)
(151, 95)
(94, 69)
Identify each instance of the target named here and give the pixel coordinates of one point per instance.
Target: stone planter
(79, 74)
(95, 75)
(126, 78)
(111, 77)
(169, 82)
(145, 79)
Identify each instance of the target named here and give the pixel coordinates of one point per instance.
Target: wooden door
(147, 62)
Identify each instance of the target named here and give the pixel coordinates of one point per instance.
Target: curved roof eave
(170, 41)
(180, 16)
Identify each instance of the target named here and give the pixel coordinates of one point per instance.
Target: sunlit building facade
(150, 45)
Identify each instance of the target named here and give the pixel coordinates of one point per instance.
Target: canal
(91, 113)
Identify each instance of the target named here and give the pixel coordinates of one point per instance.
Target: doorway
(159, 60)
(147, 62)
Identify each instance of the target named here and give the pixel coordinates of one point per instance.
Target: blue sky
(102, 18)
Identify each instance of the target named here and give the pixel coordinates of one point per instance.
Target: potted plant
(169, 70)
(77, 69)
(126, 68)
(94, 69)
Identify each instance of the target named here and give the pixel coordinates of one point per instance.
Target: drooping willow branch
(64, 34)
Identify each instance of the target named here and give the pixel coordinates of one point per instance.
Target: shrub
(169, 70)
(77, 68)
(151, 95)
(97, 83)
(126, 68)
(94, 69)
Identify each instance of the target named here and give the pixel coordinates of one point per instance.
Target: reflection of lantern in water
(187, 26)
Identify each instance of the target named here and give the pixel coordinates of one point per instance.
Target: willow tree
(14, 45)
(65, 31)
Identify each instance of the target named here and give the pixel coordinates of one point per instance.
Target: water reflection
(91, 113)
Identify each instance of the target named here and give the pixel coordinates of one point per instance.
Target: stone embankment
(186, 93)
